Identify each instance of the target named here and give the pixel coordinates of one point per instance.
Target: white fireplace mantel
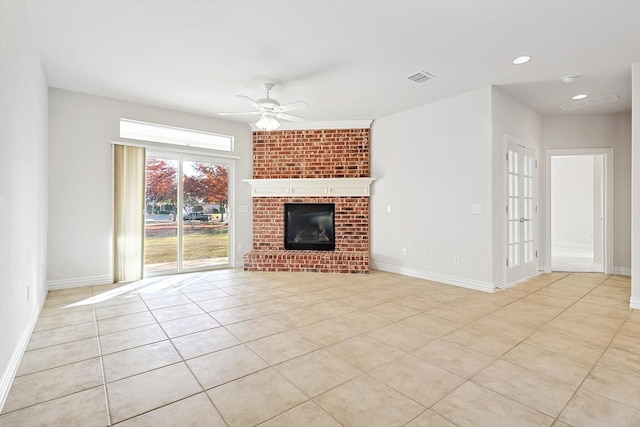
(310, 187)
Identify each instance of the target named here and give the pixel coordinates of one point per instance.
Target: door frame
(607, 227)
(506, 140)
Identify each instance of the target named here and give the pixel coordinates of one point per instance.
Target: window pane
(205, 229)
(173, 135)
(160, 226)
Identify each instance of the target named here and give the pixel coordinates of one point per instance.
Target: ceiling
(348, 59)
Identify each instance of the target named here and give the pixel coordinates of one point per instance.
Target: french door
(186, 218)
(521, 213)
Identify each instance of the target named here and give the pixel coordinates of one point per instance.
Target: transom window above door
(173, 135)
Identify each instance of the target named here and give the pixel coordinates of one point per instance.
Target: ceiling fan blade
(239, 113)
(290, 118)
(292, 106)
(251, 102)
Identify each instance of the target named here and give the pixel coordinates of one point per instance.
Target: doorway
(576, 213)
(186, 218)
(579, 228)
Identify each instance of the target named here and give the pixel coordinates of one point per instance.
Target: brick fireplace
(311, 166)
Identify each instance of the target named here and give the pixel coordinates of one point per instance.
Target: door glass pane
(513, 255)
(513, 243)
(529, 253)
(511, 208)
(160, 226)
(205, 236)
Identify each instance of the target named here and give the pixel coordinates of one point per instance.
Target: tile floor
(231, 348)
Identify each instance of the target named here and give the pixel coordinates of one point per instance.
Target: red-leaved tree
(161, 182)
(213, 182)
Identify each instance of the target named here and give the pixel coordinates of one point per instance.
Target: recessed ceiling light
(580, 96)
(569, 78)
(522, 60)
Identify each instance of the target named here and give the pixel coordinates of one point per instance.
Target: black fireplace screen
(309, 226)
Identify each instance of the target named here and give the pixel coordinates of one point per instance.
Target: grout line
(595, 364)
(369, 288)
(104, 378)
(171, 364)
(184, 361)
(524, 339)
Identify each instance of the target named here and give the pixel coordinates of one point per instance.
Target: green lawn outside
(201, 242)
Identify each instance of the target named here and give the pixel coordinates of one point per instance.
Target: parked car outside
(196, 216)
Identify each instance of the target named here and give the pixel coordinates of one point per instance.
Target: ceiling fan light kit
(267, 123)
(270, 110)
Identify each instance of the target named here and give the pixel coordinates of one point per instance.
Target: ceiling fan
(270, 110)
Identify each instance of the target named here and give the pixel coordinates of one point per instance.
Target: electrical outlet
(240, 246)
(388, 208)
(432, 255)
(404, 252)
(456, 259)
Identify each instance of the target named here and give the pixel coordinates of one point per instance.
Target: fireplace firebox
(309, 226)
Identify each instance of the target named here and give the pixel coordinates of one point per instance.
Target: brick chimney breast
(323, 153)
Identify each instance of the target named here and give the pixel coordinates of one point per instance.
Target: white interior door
(521, 213)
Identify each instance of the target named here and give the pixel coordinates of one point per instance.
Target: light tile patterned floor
(232, 348)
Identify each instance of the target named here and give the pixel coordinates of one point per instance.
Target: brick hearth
(341, 153)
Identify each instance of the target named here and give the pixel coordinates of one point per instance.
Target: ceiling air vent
(588, 102)
(421, 77)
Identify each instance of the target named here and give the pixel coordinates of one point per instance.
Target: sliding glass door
(205, 227)
(160, 226)
(186, 219)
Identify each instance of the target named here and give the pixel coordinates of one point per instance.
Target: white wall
(635, 199)
(23, 188)
(511, 118)
(81, 130)
(432, 163)
(572, 201)
(601, 131)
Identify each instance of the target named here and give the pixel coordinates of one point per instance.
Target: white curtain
(129, 187)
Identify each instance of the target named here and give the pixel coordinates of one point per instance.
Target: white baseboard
(634, 303)
(79, 282)
(440, 278)
(14, 363)
(621, 271)
(572, 245)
